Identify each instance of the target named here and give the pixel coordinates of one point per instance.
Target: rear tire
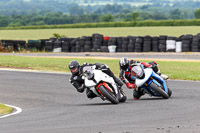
(109, 95)
(159, 91)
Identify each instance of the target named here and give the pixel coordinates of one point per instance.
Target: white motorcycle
(102, 85)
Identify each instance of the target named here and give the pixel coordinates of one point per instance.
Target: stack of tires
(112, 44)
(112, 41)
(7, 44)
(80, 45)
(186, 43)
(88, 43)
(171, 44)
(57, 45)
(162, 43)
(119, 44)
(125, 42)
(43, 43)
(155, 44)
(147, 44)
(19, 45)
(139, 44)
(73, 45)
(131, 44)
(195, 44)
(65, 44)
(97, 42)
(49, 44)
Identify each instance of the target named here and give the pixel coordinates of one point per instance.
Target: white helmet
(124, 63)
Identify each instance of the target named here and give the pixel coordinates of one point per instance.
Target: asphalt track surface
(51, 105)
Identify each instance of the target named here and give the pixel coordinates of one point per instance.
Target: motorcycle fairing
(99, 76)
(147, 80)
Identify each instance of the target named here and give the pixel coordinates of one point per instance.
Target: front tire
(124, 97)
(159, 90)
(109, 95)
(169, 92)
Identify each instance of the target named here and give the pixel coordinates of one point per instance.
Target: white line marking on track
(18, 110)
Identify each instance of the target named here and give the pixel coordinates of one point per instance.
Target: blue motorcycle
(152, 83)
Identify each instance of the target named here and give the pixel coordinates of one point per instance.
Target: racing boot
(138, 93)
(118, 82)
(90, 94)
(162, 75)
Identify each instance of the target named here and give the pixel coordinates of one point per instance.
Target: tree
(175, 14)
(3, 22)
(107, 18)
(134, 16)
(197, 13)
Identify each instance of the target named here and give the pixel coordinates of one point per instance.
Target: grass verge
(175, 69)
(5, 110)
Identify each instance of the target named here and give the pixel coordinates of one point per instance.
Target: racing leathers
(78, 82)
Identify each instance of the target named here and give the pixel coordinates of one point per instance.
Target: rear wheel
(159, 90)
(109, 95)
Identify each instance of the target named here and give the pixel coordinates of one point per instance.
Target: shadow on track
(101, 104)
(146, 99)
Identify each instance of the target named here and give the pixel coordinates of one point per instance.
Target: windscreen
(137, 72)
(88, 72)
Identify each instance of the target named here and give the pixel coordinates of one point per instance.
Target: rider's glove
(85, 63)
(81, 88)
(130, 86)
(146, 64)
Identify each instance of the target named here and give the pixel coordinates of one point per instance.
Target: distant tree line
(14, 13)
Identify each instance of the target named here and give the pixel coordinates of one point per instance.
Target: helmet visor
(124, 67)
(74, 70)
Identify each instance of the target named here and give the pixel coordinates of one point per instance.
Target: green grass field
(124, 31)
(175, 69)
(5, 109)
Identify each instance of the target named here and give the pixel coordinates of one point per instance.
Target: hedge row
(193, 22)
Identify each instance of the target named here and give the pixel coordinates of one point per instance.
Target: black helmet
(74, 67)
(124, 63)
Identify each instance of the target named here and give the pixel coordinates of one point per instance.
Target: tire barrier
(155, 44)
(100, 43)
(162, 43)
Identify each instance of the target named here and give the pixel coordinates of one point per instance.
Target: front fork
(109, 89)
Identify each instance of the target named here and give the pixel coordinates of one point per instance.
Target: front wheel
(108, 94)
(159, 90)
(123, 97)
(169, 92)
